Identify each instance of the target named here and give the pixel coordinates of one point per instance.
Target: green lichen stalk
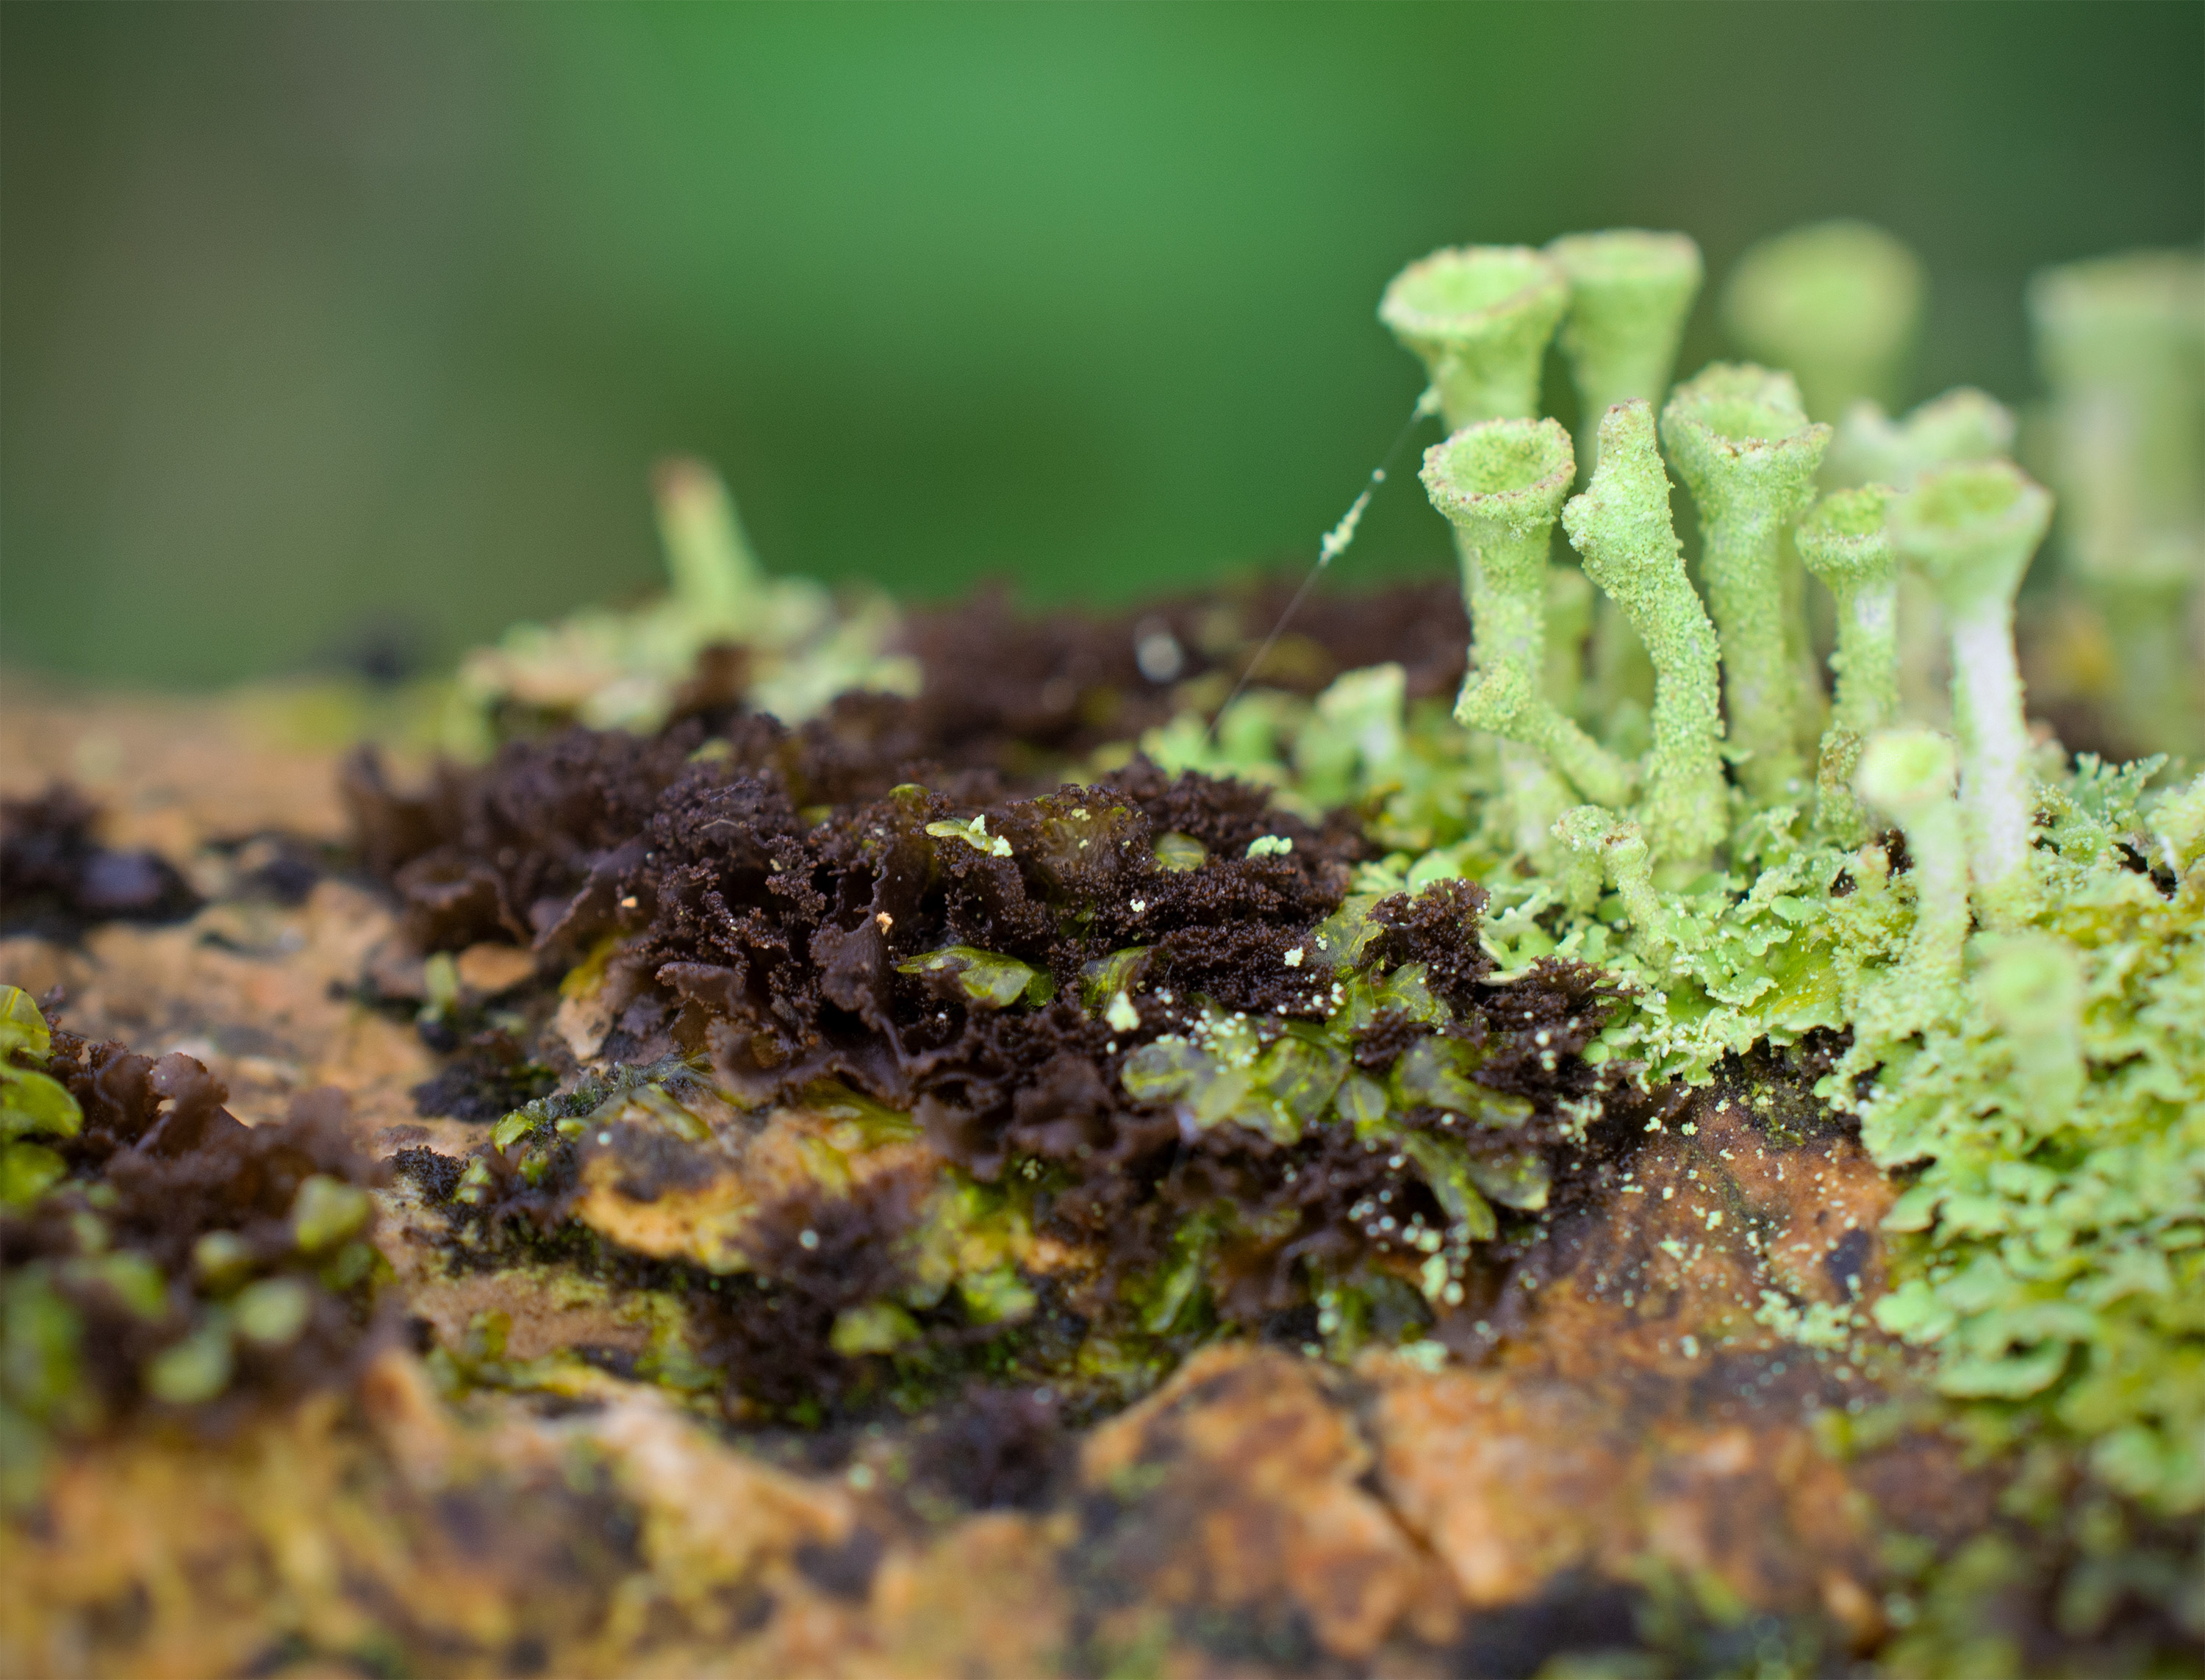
(1839, 303)
(1963, 424)
(715, 574)
(1843, 542)
(1907, 775)
(1479, 318)
(2122, 342)
(1620, 528)
(1602, 847)
(1501, 484)
(1970, 530)
(1744, 446)
(1629, 292)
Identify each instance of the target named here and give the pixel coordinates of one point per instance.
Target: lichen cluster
(1644, 775)
(869, 1041)
(2021, 979)
(162, 1259)
(726, 630)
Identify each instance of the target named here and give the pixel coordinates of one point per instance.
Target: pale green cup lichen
(1843, 542)
(1965, 423)
(1871, 447)
(1629, 292)
(1838, 303)
(1620, 528)
(1480, 318)
(1743, 445)
(2122, 343)
(1970, 530)
(715, 574)
(1501, 484)
(1598, 845)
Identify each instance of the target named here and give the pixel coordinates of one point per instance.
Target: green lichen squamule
(1745, 448)
(1971, 530)
(1480, 318)
(2052, 1245)
(1838, 304)
(1500, 485)
(1620, 528)
(1629, 292)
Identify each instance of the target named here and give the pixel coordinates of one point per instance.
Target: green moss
(32, 1105)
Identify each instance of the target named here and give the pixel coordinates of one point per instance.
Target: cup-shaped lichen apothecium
(1480, 318)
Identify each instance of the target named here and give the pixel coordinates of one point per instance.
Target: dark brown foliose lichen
(186, 1261)
(992, 964)
(1012, 693)
(1007, 702)
(57, 879)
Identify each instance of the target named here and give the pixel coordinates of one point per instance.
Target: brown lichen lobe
(56, 879)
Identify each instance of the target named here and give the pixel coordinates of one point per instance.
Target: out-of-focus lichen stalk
(1843, 542)
(713, 572)
(1620, 526)
(1744, 446)
(1629, 292)
(1970, 530)
(1501, 484)
(1838, 303)
(1479, 318)
(2121, 341)
(1871, 447)
(1907, 774)
(1965, 423)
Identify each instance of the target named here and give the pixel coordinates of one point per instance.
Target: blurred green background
(321, 326)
